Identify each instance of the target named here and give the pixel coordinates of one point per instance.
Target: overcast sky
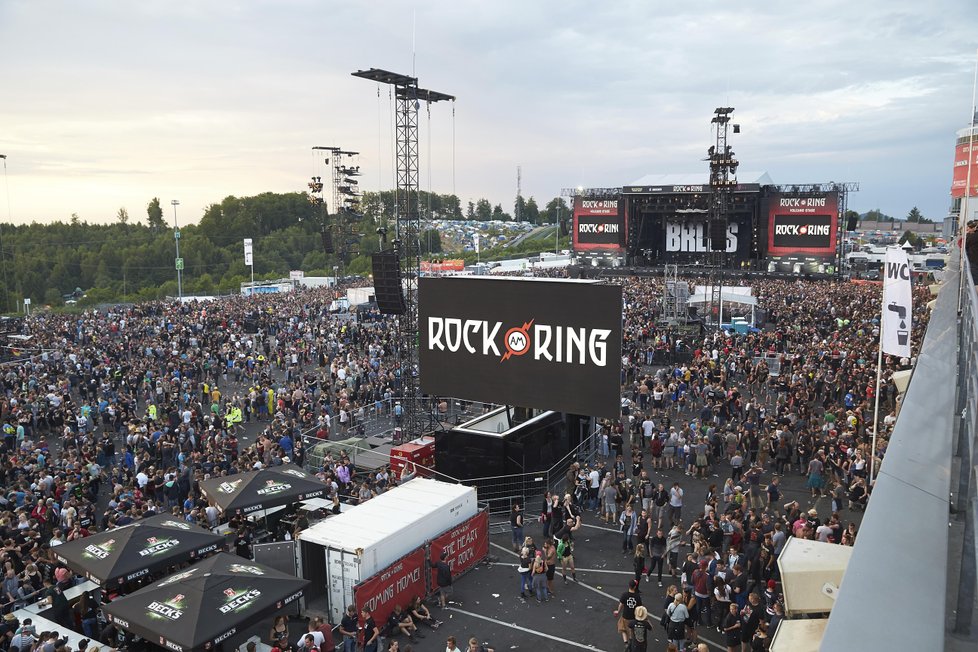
(106, 104)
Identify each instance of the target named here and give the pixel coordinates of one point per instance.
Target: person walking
(657, 552)
(550, 559)
(627, 523)
(676, 503)
(443, 576)
(815, 480)
(565, 551)
(673, 541)
(371, 633)
(629, 601)
(526, 568)
(538, 572)
(638, 561)
(516, 522)
(640, 630)
(731, 628)
(676, 616)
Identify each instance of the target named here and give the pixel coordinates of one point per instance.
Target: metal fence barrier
(499, 493)
(911, 581)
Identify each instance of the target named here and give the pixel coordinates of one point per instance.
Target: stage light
(736, 129)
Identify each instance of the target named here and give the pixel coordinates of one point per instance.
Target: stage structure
(407, 239)
(534, 343)
(675, 298)
(805, 225)
(346, 202)
(599, 225)
(316, 188)
(729, 220)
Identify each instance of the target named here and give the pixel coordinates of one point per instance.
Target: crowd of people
(748, 416)
(110, 416)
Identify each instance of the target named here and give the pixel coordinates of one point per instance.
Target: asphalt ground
(486, 602)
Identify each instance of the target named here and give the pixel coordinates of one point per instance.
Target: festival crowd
(114, 415)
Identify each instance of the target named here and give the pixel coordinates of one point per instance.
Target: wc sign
(896, 323)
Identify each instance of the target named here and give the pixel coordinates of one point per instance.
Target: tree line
(133, 259)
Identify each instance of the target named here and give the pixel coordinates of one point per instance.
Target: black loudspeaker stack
(327, 236)
(718, 236)
(852, 223)
(387, 283)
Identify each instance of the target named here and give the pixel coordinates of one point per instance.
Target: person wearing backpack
(676, 616)
(646, 490)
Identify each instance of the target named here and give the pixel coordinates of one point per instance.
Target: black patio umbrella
(254, 491)
(205, 604)
(140, 548)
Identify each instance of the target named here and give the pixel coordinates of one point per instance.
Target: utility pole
(178, 263)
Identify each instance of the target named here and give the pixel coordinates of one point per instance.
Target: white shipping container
(368, 538)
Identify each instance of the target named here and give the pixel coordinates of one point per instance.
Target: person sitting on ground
(400, 620)
(420, 613)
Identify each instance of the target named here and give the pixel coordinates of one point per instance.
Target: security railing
(911, 581)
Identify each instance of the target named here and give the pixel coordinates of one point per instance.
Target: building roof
(699, 178)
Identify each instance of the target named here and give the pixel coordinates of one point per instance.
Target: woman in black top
(547, 514)
(731, 628)
(516, 521)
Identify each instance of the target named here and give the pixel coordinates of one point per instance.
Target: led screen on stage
(598, 224)
(803, 225)
(554, 345)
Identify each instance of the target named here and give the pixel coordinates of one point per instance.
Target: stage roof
(699, 178)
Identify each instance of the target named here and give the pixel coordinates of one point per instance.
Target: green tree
(123, 216)
(531, 212)
(52, 297)
(556, 209)
(470, 211)
(498, 214)
(876, 215)
(154, 215)
(431, 242)
(911, 237)
(75, 220)
(914, 215)
(451, 207)
(483, 210)
(519, 209)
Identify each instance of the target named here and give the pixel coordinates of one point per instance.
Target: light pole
(557, 233)
(176, 238)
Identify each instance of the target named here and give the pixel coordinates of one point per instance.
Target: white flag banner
(897, 322)
(475, 239)
(249, 259)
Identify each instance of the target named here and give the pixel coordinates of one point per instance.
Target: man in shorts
(443, 575)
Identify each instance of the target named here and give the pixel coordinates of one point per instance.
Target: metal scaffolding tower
(723, 170)
(407, 240)
(675, 297)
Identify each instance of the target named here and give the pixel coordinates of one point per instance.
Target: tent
(728, 294)
(134, 550)
(255, 491)
(206, 604)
